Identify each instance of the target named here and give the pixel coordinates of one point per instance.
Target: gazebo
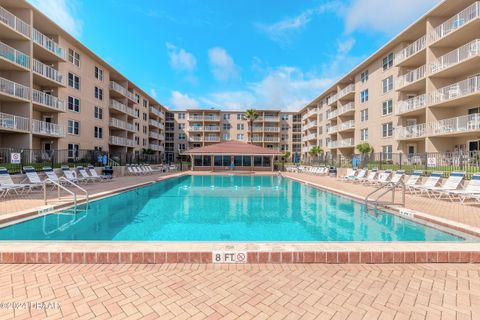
(232, 155)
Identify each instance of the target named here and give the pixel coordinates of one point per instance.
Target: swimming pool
(225, 208)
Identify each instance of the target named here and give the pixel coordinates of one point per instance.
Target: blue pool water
(225, 208)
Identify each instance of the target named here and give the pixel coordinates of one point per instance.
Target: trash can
(108, 171)
(332, 172)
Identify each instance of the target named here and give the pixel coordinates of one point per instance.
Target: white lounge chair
(397, 176)
(452, 183)
(360, 176)
(382, 178)
(431, 182)
(101, 177)
(371, 177)
(351, 173)
(413, 180)
(471, 191)
(33, 177)
(86, 176)
(51, 174)
(72, 175)
(7, 184)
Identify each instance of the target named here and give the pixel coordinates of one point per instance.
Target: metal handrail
(59, 186)
(391, 187)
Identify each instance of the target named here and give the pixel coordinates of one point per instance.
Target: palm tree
(315, 151)
(250, 115)
(286, 155)
(364, 149)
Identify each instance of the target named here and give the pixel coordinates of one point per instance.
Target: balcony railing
(118, 88)
(195, 128)
(332, 129)
(271, 139)
(415, 103)
(211, 118)
(154, 123)
(309, 137)
(14, 55)
(411, 76)
(458, 55)
(411, 49)
(47, 71)
(131, 96)
(257, 129)
(411, 132)
(332, 114)
(332, 99)
(154, 146)
(47, 128)
(157, 112)
(196, 139)
(47, 43)
(120, 124)
(345, 91)
(456, 90)
(212, 139)
(310, 113)
(456, 22)
(122, 108)
(271, 129)
(153, 135)
(14, 89)
(120, 141)
(195, 118)
(48, 100)
(345, 143)
(468, 123)
(332, 144)
(310, 125)
(346, 125)
(346, 108)
(15, 23)
(256, 139)
(11, 122)
(212, 128)
(270, 118)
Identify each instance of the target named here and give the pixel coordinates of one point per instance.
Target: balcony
(417, 131)
(12, 91)
(306, 149)
(455, 126)
(10, 122)
(49, 129)
(465, 92)
(211, 128)
(257, 129)
(310, 113)
(211, 118)
(311, 124)
(332, 144)
(466, 20)
(13, 27)
(255, 139)
(195, 128)
(131, 96)
(50, 49)
(116, 123)
(118, 88)
(270, 118)
(332, 99)
(409, 55)
(271, 139)
(332, 114)
(47, 102)
(410, 106)
(346, 93)
(346, 143)
(211, 139)
(454, 63)
(157, 112)
(120, 141)
(332, 130)
(347, 109)
(195, 139)
(195, 118)
(346, 126)
(48, 76)
(312, 136)
(271, 129)
(154, 146)
(411, 81)
(12, 59)
(120, 107)
(154, 123)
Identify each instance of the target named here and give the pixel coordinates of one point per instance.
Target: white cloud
(182, 101)
(153, 93)
(62, 12)
(180, 59)
(384, 16)
(222, 65)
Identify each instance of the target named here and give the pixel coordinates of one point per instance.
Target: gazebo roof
(233, 148)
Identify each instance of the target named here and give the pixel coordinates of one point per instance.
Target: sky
(265, 54)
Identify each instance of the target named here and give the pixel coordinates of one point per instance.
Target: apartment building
(56, 94)
(194, 128)
(419, 93)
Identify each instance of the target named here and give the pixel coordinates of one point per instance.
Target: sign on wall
(15, 158)
(431, 162)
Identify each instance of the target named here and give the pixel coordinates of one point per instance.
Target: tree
(364, 148)
(250, 115)
(286, 155)
(315, 151)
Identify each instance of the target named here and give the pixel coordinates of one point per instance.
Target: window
(98, 113)
(74, 57)
(181, 115)
(364, 134)
(284, 116)
(239, 116)
(226, 126)
(387, 130)
(145, 103)
(137, 98)
(144, 128)
(137, 126)
(364, 76)
(388, 62)
(387, 84)
(364, 95)
(137, 140)
(284, 127)
(387, 107)
(226, 116)
(73, 81)
(181, 146)
(144, 142)
(98, 93)
(98, 73)
(98, 132)
(364, 115)
(240, 126)
(73, 127)
(144, 116)
(181, 126)
(73, 104)
(239, 136)
(387, 152)
(182, 136)
(73, 150)
(226, 136)
(137, 113)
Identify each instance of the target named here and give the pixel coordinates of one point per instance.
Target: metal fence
(427, 162)
(56, 158)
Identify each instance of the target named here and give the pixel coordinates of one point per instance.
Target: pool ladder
(385, 189)
(60, 185)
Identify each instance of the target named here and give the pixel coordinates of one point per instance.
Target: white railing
(270, 118)
(131, 127)
(122, 108)
(257, 129)
(117, 140)
(332, 114)
(118, 88)
(468, 123)
(309, 137)
(154, 123)
(114, 122)
(411, 132)
(271, 139)
(456, 90)
(154, 146)
(14, 55)
(411, 104)
(346, 125)
(47, 43)
(15, 23)
(416, 46)
(47, 128)
(348, 89)
(195, 118)
(331, 129)
(332, 99)
(211, 118)
(332, 144)
(255, 139)
(345, 143)
(157, 112)
(11, 122)
(456, 22)
(411, 76)
(458, 55)
(195, 128)
(346, 108)
(131, 96)
(196, 139)
(48, 100)
(14, 89)
(153, 135)
(212, 128)
(309, 125)
(271, 129)
(161, 137)
(310, 113)
(47, 71)
(212, 139)
(130, 143)
(306, 149)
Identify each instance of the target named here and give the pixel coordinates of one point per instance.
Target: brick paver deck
(178, 291)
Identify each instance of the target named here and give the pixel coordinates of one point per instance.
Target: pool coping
(128, 252)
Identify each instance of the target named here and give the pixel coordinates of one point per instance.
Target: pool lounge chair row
(319, 171)
(141, 170)
(454, 188)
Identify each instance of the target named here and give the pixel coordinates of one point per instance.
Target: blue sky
(234, 54)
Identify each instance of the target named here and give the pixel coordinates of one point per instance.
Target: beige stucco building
(419, 93)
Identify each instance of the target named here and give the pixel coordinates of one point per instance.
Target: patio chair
(51, 174)
(398, 175)
(413, 180)
(471, 191)
(72, 175)
(102, 177)
(360, 176)
(86, 176)
(350, 174)
(371, 177)
(7, 184)
(431, 182)
(452, 183)
(382, 178)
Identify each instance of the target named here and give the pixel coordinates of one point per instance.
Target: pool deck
(460, 217)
